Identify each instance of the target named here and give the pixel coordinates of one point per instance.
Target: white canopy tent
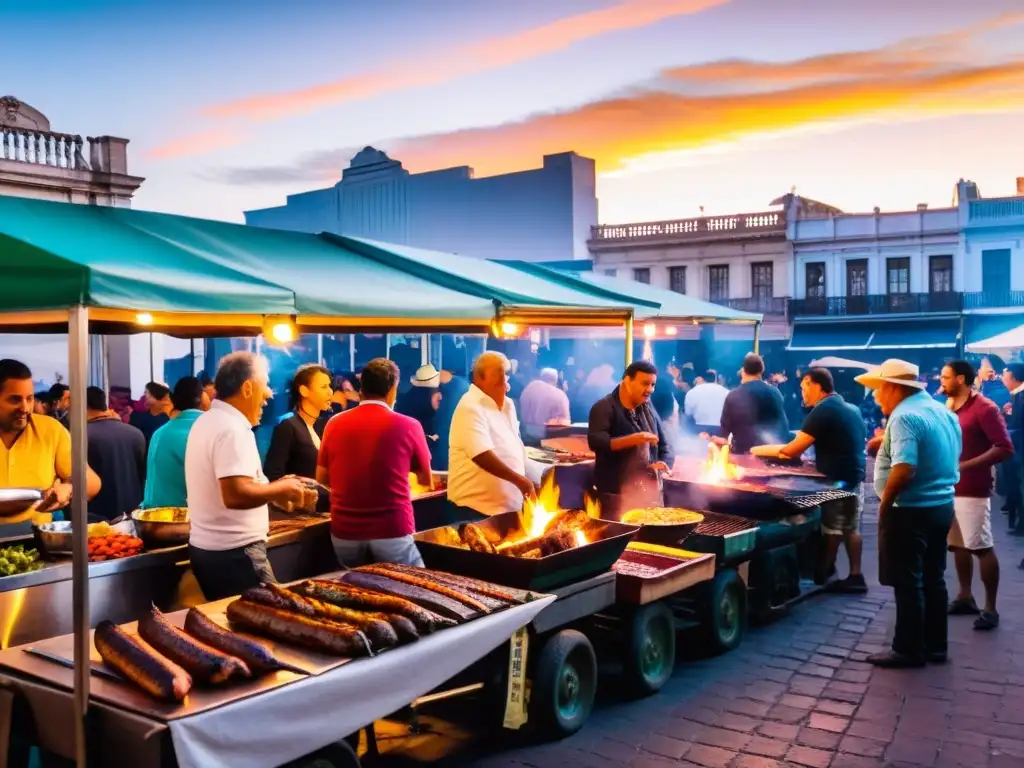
(1006, 344)
(840, 362)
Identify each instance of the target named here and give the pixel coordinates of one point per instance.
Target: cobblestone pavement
(799, 693)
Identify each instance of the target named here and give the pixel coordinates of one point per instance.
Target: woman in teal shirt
(165, 471)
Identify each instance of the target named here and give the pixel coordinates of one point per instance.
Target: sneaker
(893, 660)
(851, 585)
(986, 621)
(963, 606)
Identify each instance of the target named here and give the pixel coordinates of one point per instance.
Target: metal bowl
(162, 526)
(14, 501)
(668, 533)
(55, 538)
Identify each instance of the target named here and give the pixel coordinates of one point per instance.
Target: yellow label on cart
(515, 703)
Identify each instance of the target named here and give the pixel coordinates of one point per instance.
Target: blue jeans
(912, 540)
(401, 551)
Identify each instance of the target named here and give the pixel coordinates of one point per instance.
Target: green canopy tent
(109, 270)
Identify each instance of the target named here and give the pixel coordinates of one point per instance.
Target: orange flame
(718, 469)
(537, 513)
(580, 537)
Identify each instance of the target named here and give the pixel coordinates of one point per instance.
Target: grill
(725, 536)
(774, 499)
(539, 574)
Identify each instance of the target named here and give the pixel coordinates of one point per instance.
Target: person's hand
(526, 487)
(1008, 409)
(292, 493)
(659, 466)
(646, 438)
(57, 496)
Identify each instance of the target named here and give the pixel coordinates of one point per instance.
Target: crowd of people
(194, 446)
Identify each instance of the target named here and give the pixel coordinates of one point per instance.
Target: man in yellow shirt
(35, 450)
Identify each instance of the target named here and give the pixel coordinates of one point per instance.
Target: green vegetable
(16, 559)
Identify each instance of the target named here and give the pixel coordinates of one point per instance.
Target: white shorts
(972, 524)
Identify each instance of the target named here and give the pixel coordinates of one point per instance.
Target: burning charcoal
(533, 554)
(476, 539)
(567, 520)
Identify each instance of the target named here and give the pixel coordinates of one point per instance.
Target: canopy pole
(424, 349)
(757, 338)
(387, 345)
(319, 349)
(629, 340)
(352, 352)
(78, 374)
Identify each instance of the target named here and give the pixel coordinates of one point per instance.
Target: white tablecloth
(284, 724)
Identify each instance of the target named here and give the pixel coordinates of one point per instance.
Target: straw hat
(426, 376)
(894, 372)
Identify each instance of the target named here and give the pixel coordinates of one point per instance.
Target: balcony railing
(993, 299)
(884, 304)
(997, 208)
(56, 150)
(765, 305)
(734, 225)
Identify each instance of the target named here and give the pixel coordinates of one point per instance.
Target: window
(642, 275)
(857, 277)
(898, 275)
(718, 283)
(995, 272)
(677, 279)
(814, 274)
(940, 274)
(611, 272)
(761, 280)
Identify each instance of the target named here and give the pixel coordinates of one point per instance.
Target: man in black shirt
(754, 412)
(117, 453)
(836, 430)
(629, 443)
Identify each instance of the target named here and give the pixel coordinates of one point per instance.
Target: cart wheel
(726, 613)
(564, 685)
(650, 649)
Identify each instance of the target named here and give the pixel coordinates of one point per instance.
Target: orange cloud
(491, 53)
(197, 143)
(690, 108)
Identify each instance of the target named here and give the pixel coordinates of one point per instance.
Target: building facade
(542, 214)
(40, 163)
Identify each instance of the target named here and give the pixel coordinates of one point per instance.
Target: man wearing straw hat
(915, 474)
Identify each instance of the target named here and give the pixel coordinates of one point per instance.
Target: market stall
(104, 270)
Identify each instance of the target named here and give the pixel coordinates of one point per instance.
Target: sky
(684, 104)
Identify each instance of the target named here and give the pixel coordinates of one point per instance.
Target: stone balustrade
(56, 150)
(739, 224)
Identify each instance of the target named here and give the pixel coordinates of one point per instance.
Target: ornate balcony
(737, 225)
(56, 150)
(876, 304)
(765, 305)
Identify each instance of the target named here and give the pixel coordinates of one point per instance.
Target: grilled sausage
(429, 599)
(492, 596)
(422, 581)
(138, 662)
(316, 634)
(348, 596)
(259, 658)
(205, 663)
(278, 597)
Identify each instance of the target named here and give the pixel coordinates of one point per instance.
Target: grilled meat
(421, 579)
(476, 539)
(433, 601)
(140, 663)
(256, 656)
(472, 587)
(317, 634)
(550, 543)
(205, 663)
(278, 597)
(348, 596)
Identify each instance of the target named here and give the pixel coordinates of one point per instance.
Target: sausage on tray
(205, 663)
(137, 661)
(316, 634)
(480, 590)
(377, 631)
(256, 656)
(452, 609)
(347, 596)
(423, 581)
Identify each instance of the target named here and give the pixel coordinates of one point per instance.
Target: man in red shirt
(366, 456)
(986, 443)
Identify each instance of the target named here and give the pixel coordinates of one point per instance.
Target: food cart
(201, 279)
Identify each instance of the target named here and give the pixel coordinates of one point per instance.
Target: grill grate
(811, 500)
(716, 524)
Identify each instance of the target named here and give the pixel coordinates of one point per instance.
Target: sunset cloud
(197, 143)
(487, 54)
(695, 107)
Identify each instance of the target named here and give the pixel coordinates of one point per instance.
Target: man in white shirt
(703, 404)
(487, 459)
(542, 404)
(226, 488)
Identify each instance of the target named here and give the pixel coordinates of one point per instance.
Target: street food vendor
(836, 430)
(226, 488)
(366, 457)
(628, 441)
(754, 413)
(35, 451)
(487, 464)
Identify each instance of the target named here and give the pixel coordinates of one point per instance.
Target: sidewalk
(799, 693)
